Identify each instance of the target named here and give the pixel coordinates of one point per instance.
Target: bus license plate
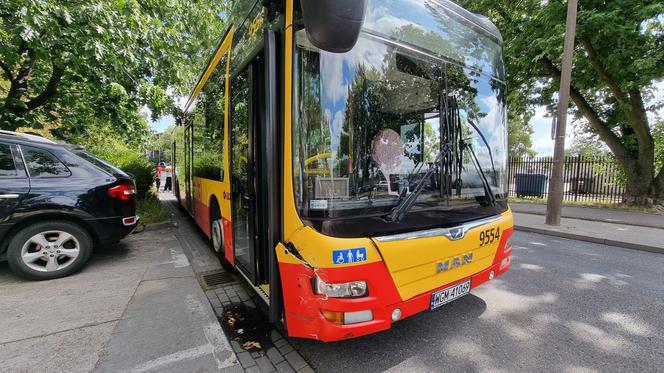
(449, 294)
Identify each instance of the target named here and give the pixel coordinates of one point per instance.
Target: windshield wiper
(487, 187)
(488, 192)
(400, 210)
(472, 124)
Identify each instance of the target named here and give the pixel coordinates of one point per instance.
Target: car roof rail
(27, 136)
(75, 147)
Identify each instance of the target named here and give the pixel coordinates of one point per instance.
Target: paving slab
(75, 350)
(168, 326)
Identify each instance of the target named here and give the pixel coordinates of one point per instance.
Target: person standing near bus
(168, 174)
(160, 169)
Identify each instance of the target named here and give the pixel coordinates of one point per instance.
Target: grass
(593, 204)
(151, 210)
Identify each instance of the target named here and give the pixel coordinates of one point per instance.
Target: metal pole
(556, 184)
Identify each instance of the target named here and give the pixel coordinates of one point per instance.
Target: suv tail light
(123, 192)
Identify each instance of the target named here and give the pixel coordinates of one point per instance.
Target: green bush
(129, 159)
(151, 210)
(143, 172)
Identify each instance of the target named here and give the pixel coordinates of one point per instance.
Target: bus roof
(242, 9)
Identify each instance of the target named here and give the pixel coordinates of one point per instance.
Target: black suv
(56, 202)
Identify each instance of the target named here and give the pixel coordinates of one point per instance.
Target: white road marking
(217, 339)
(217, 344)
(189, 354)
(214, 335)
(179, 259)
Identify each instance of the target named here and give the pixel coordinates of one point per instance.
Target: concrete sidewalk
(275, 354)
(169, 325)
(622, 235)
(614, 216)
(136, 307)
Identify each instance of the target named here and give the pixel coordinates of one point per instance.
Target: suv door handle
(8, 196)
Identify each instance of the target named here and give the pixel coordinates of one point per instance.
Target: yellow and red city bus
(348, 158)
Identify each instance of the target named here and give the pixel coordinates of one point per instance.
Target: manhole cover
(216, 278)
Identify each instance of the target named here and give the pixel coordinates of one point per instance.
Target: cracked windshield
(383, 120)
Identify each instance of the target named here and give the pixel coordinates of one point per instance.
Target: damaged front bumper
(315, 316)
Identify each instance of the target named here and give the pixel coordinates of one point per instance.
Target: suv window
(7, 166)
(109, 168)
(41, 163)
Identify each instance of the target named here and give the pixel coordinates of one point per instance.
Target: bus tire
(217, 236)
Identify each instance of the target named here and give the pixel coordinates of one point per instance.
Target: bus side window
(239, 127)
(208, 118)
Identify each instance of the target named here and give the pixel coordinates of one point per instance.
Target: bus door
(245, 122)
(255, 169)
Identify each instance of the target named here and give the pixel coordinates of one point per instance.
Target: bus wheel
(217, 236)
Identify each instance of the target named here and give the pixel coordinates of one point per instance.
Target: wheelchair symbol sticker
(346, 256)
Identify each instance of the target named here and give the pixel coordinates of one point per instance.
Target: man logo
(454, 262)
(456, 233)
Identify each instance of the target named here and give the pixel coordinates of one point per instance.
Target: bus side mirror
(333, 25)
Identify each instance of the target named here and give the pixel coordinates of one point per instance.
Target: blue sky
(541, 137)
(162, 123)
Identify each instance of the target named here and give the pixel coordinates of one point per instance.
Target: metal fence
(586, 179)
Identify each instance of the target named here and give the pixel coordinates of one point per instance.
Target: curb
(591, 219)
(156, 226)
(579, 237)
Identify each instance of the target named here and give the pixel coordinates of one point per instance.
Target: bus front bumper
(309, 315)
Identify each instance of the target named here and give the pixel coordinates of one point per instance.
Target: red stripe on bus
(228, 240)
(202, 217)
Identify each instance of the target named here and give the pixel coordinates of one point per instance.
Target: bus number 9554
(489, 235)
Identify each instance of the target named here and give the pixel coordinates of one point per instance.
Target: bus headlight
(350, 289)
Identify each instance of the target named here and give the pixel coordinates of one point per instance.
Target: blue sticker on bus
(346, 256)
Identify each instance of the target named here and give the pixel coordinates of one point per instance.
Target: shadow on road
(563, 306)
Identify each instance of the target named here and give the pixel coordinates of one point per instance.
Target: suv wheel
(49, 250)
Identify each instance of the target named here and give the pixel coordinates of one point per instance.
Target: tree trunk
(658, 188)
(638, 191)
(12, 110)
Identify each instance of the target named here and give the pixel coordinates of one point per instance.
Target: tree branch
(603, 73)
(632, 105)
(501, 12)
(610, 138)
(26, 70)
(7, 71)
(49, 90)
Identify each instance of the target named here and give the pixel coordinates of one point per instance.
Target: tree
(588, 147)
(164, 142)
(519, 130)
(619, 54)
(77, 64)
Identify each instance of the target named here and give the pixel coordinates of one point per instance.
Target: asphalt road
(565, 306)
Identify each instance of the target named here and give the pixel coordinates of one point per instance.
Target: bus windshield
(372, 123)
